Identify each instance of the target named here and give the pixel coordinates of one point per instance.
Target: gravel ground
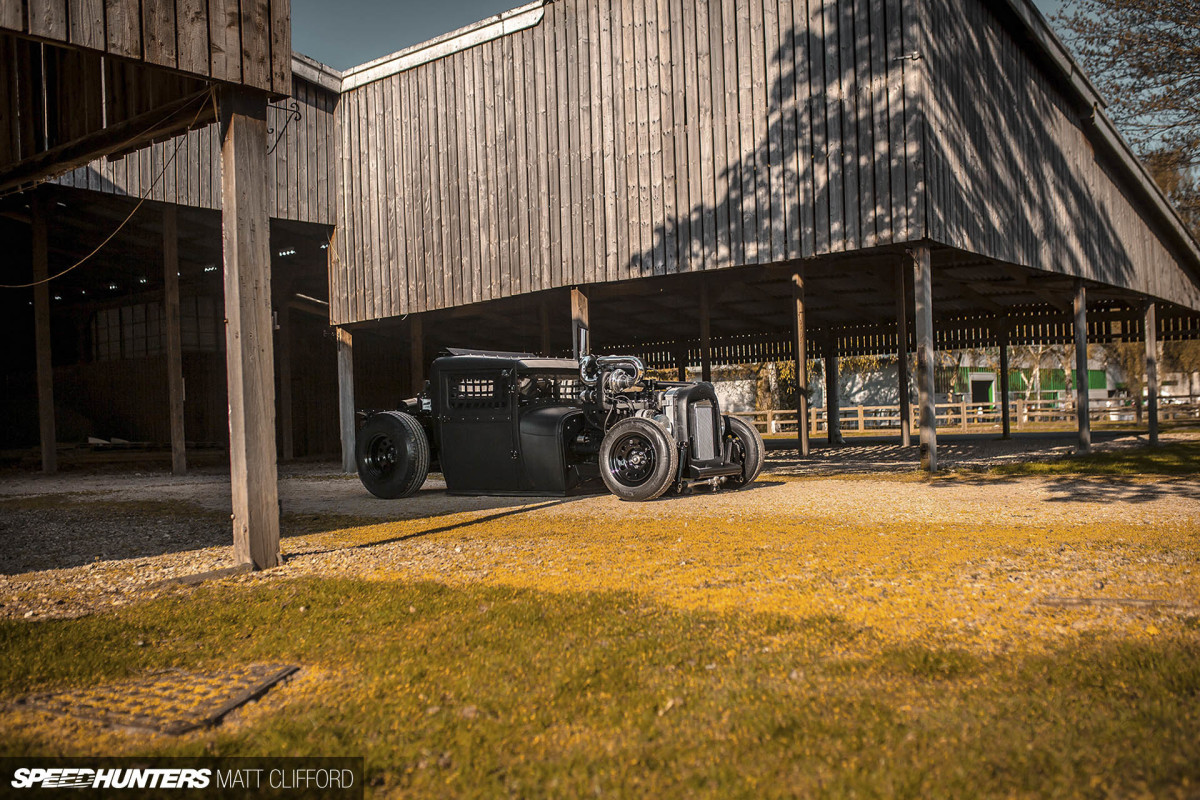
(77, 543)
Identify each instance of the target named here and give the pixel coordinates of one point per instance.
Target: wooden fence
(973, 417)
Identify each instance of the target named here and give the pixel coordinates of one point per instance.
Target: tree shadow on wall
(831, 168)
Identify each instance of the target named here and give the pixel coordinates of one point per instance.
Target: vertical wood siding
(622, 138)
(1014, 172)
(186, 169)
(234, 41)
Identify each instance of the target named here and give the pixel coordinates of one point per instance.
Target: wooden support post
(41, 328)
(175, 387)
(544, 313)
(800, 348)
(1151, 337)
(902, 357)
(580, 340)
(287, 443)
(345, 379)
(833, 420)
(416, 355)
(681, 362)
(1005, 421)
(249, 351)
(923, 302)
(1081, 368)
(705, 335)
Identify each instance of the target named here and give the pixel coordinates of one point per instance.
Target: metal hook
(294, 113)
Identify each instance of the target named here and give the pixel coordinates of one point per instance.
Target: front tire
(748, 441)
(638, 459)
(392, 453)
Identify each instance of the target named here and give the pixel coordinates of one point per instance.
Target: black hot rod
(514, 423)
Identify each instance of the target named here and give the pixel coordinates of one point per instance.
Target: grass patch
(492, 690)
(1179, 459)
(925, 662)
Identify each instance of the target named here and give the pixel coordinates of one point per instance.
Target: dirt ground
(75, 543)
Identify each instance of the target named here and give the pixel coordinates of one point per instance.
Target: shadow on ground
(867, 455)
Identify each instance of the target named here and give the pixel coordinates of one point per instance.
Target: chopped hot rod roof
(482, 359)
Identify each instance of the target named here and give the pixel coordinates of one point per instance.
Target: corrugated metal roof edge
(485, 30)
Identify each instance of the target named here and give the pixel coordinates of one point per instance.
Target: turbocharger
(615, 371)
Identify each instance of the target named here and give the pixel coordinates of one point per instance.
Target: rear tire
(392, 453)
(747, 439)
(638, 459)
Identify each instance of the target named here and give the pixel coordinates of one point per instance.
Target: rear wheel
(748, 447)
(392, 453)
(638, 459)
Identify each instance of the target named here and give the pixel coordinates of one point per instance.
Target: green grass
(486, 691)
(1179, 459)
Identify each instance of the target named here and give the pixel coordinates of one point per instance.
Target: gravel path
(77, 543)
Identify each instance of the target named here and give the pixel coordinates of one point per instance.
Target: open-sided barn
(693, 181)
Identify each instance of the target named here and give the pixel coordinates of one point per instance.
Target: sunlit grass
(1175, 459)
(484, 690)
(729, 645)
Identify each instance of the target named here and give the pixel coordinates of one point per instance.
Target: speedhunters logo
(76, 778)
(191, 777)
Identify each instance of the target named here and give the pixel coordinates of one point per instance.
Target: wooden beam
(580, 338)
(833, 420)
(705, 335)
(1022, 279)
(416, 356)
(800, 348)
(923, 302)
(41, 322)
(902, 357)
(1081, 369)
(969, 291)
(166, 120)
(1150, 331)
(345, 376)
(1002, 334)
(249, 351)
(175, 387)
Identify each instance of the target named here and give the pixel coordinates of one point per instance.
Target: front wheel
(392, 453)
(638, 459)
(747, 447)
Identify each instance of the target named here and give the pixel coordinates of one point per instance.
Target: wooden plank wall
(1014, 170)
(246, 42)
(186, 169)
(622, 138)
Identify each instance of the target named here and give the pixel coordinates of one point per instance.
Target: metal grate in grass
(172, 701)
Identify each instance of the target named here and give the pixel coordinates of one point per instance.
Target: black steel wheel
(392, 453)
(748, 449)
(638, 459)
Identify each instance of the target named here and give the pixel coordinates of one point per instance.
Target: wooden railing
(973, 417)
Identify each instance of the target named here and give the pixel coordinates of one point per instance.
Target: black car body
(516, 423)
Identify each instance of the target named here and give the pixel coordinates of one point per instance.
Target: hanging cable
(125, 221)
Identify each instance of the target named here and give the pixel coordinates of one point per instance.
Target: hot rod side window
(476, 391)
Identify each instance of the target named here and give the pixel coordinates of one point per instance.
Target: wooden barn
(118, 263)
(719, 180)
(693, 181)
